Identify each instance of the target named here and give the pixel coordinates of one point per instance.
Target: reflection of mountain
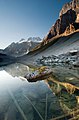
(5, 59)
(23, 93)
(40, 95)
(68, 95)
(68, 102)
(17, 69)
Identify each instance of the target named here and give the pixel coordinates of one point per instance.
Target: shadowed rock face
(69, 14)
(62, 23)
(74, 5)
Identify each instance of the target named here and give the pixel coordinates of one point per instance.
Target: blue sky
(27, 18)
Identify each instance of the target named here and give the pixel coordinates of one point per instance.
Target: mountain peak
(34, 39)
(74, 5)
(67, 23)
(30, 39)
(69, 14)
(22, 47)
(21, 40)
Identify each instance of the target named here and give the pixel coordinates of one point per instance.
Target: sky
(27, 18)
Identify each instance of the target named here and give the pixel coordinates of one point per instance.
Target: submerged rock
(39, 74)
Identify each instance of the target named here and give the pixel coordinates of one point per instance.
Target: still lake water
(21, 100)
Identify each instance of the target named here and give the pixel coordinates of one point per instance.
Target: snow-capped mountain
(22, 47)
(31, 39)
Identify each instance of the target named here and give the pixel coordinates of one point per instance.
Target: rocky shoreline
(71, 58)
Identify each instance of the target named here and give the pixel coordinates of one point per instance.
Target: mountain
(68, 16)
(1, 50)
(58, 45)
(67, 23)
(63, 35)
(31, 39)
(22, 47)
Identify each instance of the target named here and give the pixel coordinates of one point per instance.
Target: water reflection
(20, 100)
(65, 85)
(44, 100)
(16, 69)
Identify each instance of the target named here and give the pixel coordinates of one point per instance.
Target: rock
(76, 65)
(74, 5)
(61, 24)
(70, 29)
(68, 21)
(71, 59)
(39, 74)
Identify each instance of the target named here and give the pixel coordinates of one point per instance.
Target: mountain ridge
(66, 23)
(22, 47)
(62, 37)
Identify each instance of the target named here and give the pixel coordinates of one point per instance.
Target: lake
(42, 100)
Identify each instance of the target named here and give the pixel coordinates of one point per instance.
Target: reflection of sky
(26, 18)
(7, 80)
(13, 83)
(15, 93)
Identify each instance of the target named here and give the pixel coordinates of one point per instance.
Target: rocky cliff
(68, 16)
(62, 37)
(67, 23)
(74, 5)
